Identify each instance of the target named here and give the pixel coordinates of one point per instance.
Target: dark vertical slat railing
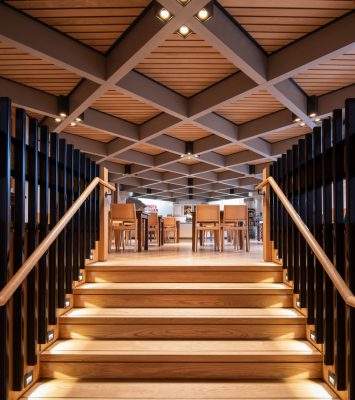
(97, 209)
(338, 173)
(70, 226)
(43, 277)
(76, 220)
(295, 232)
(302, 189)
(327, 240)
(62, 209)
(5, 201)
(318, 232)
(18, 255)
(272, 207)
(284, 181)
(93, 207)
(310, 224)
(279, 211)
(88, 209)
(53, 250)
(83, 212)
(289, 225)
(32, 241)
(350, 231)
(318, 178)
(55, 174)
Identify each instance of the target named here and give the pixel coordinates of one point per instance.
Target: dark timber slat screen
(318, 177)
(338, 173)
(327, 239)
(32, 241)
(18, 255)
(44, 297)
(53, 250)
(55, 177)
(350, 229)
(5, 201)
(76, 220)
(62, 209)
(70, 227)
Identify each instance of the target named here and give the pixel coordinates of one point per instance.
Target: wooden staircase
(182, 333)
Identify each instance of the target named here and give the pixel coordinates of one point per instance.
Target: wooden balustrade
(47, 234)
(312, 227)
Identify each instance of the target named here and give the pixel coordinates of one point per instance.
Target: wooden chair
(170, 227)
(153, 222)
(235, 221)
(123, 222)
(207, 220)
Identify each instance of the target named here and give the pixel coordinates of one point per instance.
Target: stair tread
(104, 390)
(219, 287)
(191, 315)
(257, 266)
(182, 350)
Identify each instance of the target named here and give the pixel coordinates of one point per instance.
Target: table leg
(139, 233)
(146, 231)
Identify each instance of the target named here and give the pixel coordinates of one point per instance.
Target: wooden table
(143, 230)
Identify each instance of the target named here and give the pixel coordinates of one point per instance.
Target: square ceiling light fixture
(189, 152)
(205, 13)
(162, 13)
(183, 2)
(184, 31)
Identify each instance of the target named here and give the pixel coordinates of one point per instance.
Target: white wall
(222, 203)
(164, 207)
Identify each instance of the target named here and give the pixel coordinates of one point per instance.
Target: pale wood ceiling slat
(276, 23)
(125, 107)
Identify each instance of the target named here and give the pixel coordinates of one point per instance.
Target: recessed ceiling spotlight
(184, 31)
(295, 118)
(73, 123)
(317, 120)
(79, 118)
(312, 106)
(164, 15)
(302, 124)
(57, 119)
(205, 13)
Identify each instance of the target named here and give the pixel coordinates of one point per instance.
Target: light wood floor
(181, 254)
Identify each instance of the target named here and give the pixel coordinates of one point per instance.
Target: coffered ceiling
(226, 93)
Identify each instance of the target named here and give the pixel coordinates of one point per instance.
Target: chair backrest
(235, 213)
(123, 212)
(207, 213)
(153, 219)
(170, 221)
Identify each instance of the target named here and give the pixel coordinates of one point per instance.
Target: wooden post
(267, 244)
(103, 243)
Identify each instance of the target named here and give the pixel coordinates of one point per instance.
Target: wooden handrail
(21, 274)
(328, 266)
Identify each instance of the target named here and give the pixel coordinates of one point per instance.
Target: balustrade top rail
(328, 266)
(19, 277)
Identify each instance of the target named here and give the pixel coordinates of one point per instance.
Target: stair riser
(183, 276)
(272, 332)
(176, 370)
(183, 300)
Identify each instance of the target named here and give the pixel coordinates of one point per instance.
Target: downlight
(184, 31)
(163, 14)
